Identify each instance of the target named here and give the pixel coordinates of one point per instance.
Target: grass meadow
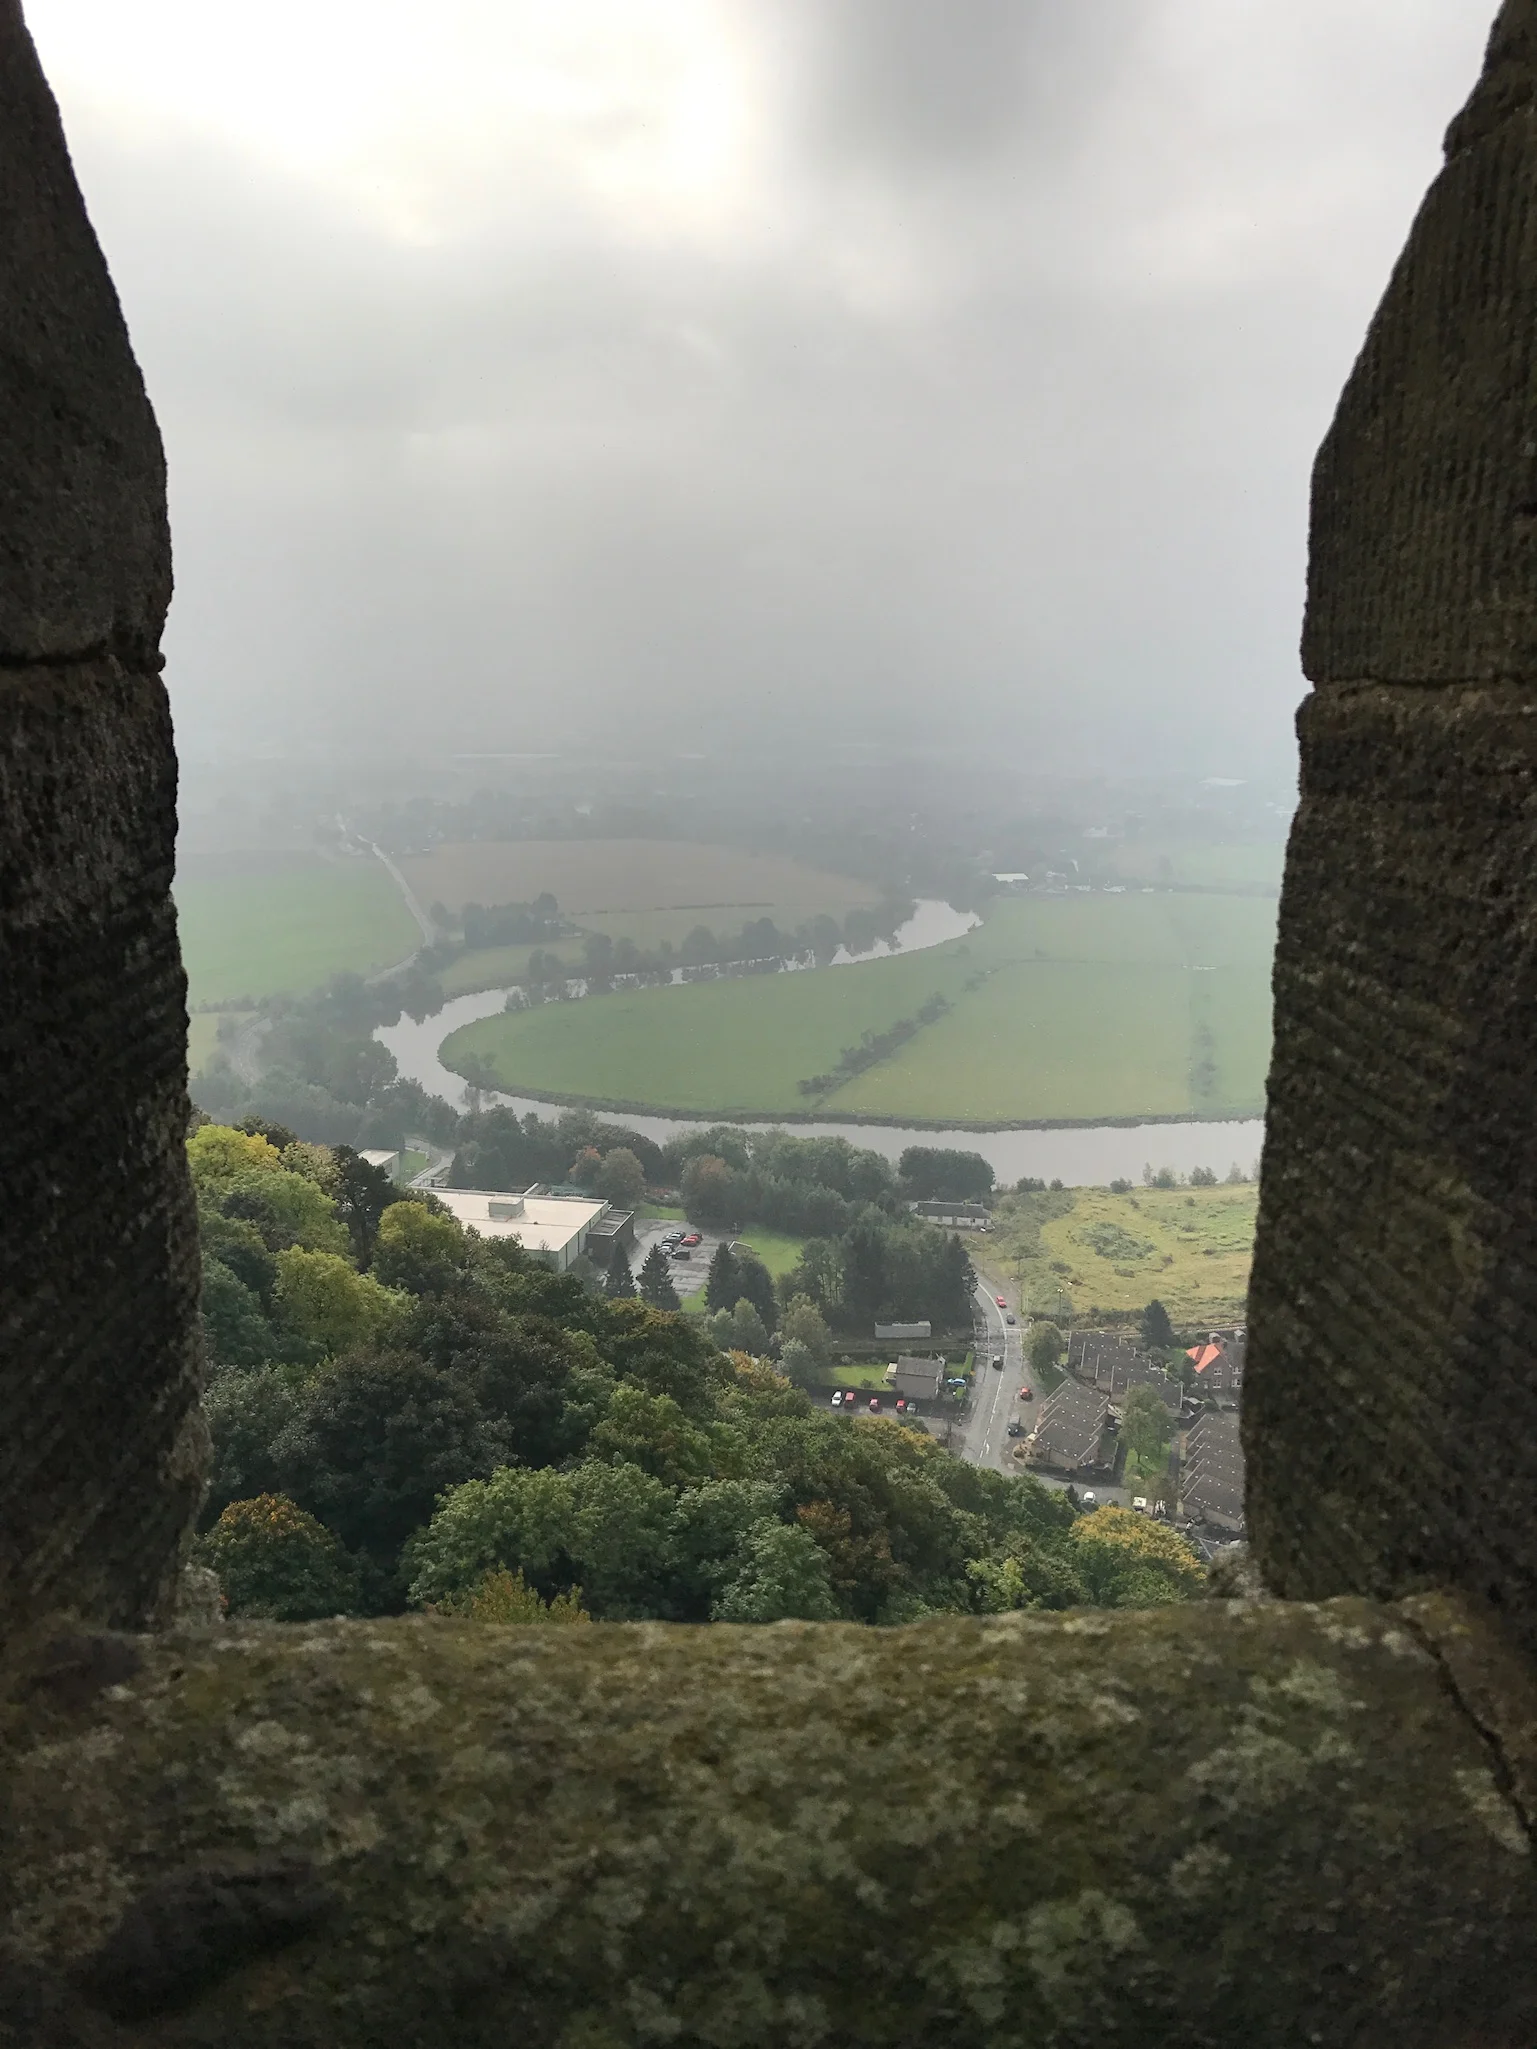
(1189, 1247)
(287, 923)
(1062, 1009)
(633, 881)
(651, 891)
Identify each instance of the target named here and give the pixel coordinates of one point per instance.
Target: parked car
(1088, 1498)
(1009, 1316)
(1139, 1504)
(1016, 1428)
(1027, 1393)
(693, 1238)
(875, 1401)
(997, 1362)
(1000, 1301)
(837, 1401)
(681, 1252)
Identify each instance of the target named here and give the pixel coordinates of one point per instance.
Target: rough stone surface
(1390, 1404)
(1235, 1821)
(1423, 561)
(101, 1454)
(85, 558)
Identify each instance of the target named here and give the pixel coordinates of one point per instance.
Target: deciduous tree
(621, 1179)
(275, 1561)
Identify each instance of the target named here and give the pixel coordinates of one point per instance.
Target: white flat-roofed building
(390, 1162)
(552, 1227)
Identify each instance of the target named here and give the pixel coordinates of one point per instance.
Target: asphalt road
(985, 1440)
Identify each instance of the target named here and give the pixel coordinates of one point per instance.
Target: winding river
(1081, 1156)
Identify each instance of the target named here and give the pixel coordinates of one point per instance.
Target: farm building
(554, 1228)
(956, 1216)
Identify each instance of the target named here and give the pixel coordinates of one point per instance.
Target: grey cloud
(902, 81)
(535, 482)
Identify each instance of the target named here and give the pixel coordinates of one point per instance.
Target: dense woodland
(403, 1413)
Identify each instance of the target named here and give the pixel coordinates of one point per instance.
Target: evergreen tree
(723, 1288)
(620, 1279)
(754, 1280)
(1157, 1331)
(656, 1281)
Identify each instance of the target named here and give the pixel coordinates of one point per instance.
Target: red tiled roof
(1205, 1355)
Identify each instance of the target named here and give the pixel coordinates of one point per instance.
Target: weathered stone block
(101, 1453)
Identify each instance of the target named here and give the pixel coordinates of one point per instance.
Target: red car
(997, 1298)
(875, 1401)
(1027, 1394)
(693, 1238)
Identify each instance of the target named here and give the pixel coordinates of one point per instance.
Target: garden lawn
(779, 1254)
(1066, 1009)
(287, 925)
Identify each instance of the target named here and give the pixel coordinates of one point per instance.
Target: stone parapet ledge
(1233, 1822)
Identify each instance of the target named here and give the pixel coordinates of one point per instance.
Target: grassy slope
(1077, 1007)
(290, 928)
(1190, 1247)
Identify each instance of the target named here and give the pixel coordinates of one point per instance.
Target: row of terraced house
(1077, 1432)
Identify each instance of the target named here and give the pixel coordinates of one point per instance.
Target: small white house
(390, 1162)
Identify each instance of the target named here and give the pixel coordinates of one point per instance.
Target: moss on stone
(1200, 1824)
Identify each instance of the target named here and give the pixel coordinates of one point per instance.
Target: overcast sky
(540, 369)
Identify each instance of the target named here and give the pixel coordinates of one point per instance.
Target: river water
(1083, 1156)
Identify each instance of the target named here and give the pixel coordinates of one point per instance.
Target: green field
(1189, 1247)
(1063, 1009)
(650, 891)
(285, 923)
(1189, 864)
